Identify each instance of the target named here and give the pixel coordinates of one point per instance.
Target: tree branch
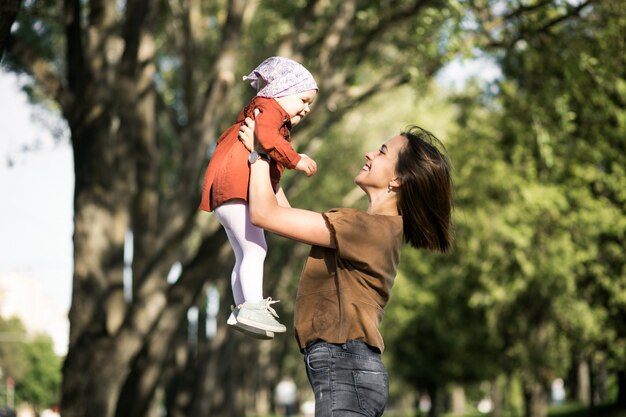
(527, 32)
(386, 22)
(524, 9)
(41, 70)
(202, 130)
(334, 35)
(136, 17)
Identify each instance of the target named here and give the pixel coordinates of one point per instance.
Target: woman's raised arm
(302, 225)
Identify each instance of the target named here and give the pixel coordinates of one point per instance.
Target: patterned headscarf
(279, 77)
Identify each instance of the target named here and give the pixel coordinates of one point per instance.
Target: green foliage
(13, 361)
(42, 382)
(567, 93)
(537, 273)
(32, 364)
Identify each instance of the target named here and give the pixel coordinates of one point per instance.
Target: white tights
(248, 243)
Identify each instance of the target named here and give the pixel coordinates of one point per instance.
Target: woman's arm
(265, 211)
(282, 198)
(293, 223)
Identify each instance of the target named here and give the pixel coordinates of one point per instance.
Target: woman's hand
(246, 134)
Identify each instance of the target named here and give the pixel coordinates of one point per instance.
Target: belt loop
(310, 345)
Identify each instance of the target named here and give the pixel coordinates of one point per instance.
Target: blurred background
(114, 288)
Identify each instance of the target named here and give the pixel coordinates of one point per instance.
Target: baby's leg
(248, 242)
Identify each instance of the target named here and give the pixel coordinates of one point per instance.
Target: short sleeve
(364, 238)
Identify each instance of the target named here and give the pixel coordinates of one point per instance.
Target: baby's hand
(307, 165)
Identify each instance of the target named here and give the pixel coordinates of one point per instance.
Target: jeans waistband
(353, 346)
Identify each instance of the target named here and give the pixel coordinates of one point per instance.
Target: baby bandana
(279, 77)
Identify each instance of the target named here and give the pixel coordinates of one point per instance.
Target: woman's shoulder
(349, 213)
(358, 234)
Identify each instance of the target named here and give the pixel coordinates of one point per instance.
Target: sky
(37, 185)
(36, 191)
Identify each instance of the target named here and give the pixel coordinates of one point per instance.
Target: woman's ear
(395, 182)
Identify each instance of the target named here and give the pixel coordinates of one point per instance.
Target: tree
(574, 105)
(561, 135)
(145, 88)
(41, 385)
(31, 362)
(538, 213)
(13, 360)
(8, 12)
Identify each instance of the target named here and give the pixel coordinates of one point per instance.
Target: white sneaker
(260, 315)
(232, 319)
(247, 330)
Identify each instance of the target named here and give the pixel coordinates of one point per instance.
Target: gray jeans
(347, 380)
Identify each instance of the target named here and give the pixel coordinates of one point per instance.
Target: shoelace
(268, 303)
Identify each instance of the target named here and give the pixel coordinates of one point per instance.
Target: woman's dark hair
(425, 193)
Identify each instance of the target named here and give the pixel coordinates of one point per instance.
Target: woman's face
(380, 165)
(297, 105)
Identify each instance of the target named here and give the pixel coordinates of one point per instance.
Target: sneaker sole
(260, 326)
(253, 331)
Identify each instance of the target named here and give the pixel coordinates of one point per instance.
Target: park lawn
(565, 410)
(576, 410)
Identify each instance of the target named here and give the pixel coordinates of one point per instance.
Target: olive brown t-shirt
(343, 291)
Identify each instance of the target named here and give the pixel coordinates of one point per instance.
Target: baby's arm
(307, 165)
(267, 121)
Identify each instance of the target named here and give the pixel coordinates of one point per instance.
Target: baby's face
(297, 105)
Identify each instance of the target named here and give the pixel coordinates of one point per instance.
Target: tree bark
(583, 392)
(457, 400)
(8, 13)
(435, 402)
(620, 402)
(535, 399)
(497, 400)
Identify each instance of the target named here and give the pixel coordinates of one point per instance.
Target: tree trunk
(457, 400)
(535, 400)
(8, 13)
(621, 389)
(583, 392)
(101, 202)
(496, 397)
(435, 402)
(600, 392)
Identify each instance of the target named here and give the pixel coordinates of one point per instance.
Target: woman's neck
(383, 203)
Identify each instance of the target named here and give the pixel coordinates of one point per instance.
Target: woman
(347, 278)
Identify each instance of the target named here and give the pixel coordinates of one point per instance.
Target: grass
(564, 410)
(576, 410)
